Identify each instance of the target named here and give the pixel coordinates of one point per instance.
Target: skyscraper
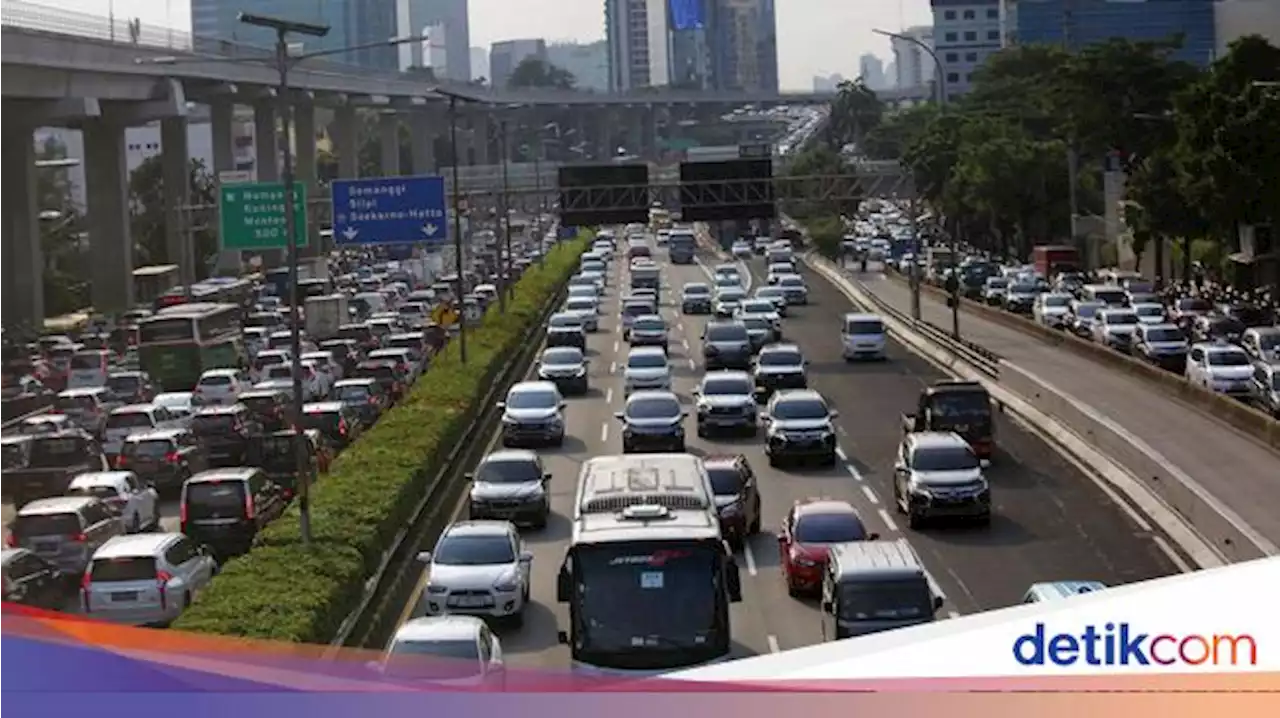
(506, 56)
(871, 70)
(587, 62)
(447, 27)
(350, 22)
(745, 45)
(637, 33)
(913, 66)
(1084, 22)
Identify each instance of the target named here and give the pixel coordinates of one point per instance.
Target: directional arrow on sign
(430, 230)
(350, 233)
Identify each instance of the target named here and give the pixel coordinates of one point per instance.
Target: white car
(1051, 309)
(459, 651)
(1220, 367)
(137, 503)
(324, 361)
(478, 568)
(135, 419)
(1150, 313)
(646, 368)
(147, 579)
(727, 301)
(587, 308)
(1113, 328)
(742, 249)
(220, 387)
(313, 387)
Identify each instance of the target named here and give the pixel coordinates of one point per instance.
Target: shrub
(283, 591)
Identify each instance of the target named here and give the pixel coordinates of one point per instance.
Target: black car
(225, 432)
(737, 496)
(32, 581)
(226, 508)
(165, 457)
(652, 421)
(335, 421)
(800, 428)
(566, 330)
(511, 485)
(386, 372)
(779, 366)
(345, 351)
(726, 345)
(131, 387)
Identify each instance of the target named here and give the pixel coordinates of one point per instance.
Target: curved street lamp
(939, 81)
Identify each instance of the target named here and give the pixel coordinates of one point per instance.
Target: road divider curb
(380, 497)
(1158, 484)
(1241, 417)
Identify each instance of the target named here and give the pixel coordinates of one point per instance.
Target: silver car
(457, 651)
(587, 309)
(727, 300)
(646, 368)
(649, 330)
(478, 568)
(145, 579)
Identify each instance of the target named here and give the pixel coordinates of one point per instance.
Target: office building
(446, 27)
(1233, 19)
(913, 67)
(871, 70)
(692, 64)
(637, 34)
(587, 62)
(965, 34)
(827, 83)
(1078, 23)
(350, 22)
(506, 56)
(745, 45)
(890, 75)
(479, 63)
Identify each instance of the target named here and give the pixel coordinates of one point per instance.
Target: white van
(88, 369)
(863, 336)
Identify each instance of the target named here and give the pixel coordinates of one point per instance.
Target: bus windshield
(648, 606)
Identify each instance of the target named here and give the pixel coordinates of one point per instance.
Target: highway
(1051, 521)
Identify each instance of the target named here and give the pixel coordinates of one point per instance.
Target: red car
(737, 496)
(811, 528)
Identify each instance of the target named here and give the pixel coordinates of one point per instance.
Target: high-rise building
(691, 64)
(637, 33)
(479, 63)
(506, 56)
(890, 75)
(447, 47)
(587, 62)
(965, 34)
(1233, 19)
(871, 70)
(913, 67)
(1083, 22)
(745, 45)
(828, 83)
(350, 22)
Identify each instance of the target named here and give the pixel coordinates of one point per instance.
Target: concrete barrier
(1239, 416)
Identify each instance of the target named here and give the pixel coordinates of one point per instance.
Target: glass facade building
(1091, 21)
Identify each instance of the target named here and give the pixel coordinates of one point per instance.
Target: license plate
(46, 548)
(124, 596)
(470, 601)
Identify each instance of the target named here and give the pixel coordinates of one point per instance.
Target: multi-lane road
(1051, 522)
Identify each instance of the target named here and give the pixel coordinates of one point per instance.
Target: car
(29, 580)
(726, 301)
(760, 329)
(1113, 328)
(1262, 343)
(761, 244)
(445, 649)
(126, 420)
(742, 249)
(726, 345)
(179, 403)
(863, 336)
(1080, 317)
(1051, 309)
(737, 497)
(584, 290)
(1211, 327)
(331, 370)
(649, 330)
(478, 568)
(1220, 367)
(583, 280)
(566, 367)
(777, 295)
(220, 387)
(511, 485)
(587, 309)
(386, 372)
(777, 270)
(45, 424)
(225, 508)
(147, 579)
(314, 386)
(646, 368)
(994, 290)
(1020, 296)
(936, 474)
(695, 298)
(1264, 387)
(533, 413)
(798, 426)
(131, 387)
(1163, 345)
(726, 404)
(764, 307)
(652, 421)
(406, 360)
(809, 531)
(1150, 312)
(225, 432)
(65, 530)
(566, 330)
(337, 422)
(779, 366)
(137, 503)
(366, 397)
(794, 289)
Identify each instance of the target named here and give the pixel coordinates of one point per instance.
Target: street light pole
(505, 264)
(457, 228)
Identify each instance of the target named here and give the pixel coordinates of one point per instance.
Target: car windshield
(215, 380)
(791, 280)
(565, 321)
(997, 282)
(885, 600)
(129, 420)
(1228, 358)
(770, 293)
(646, 360)
(759, 306)
(1057, 300)
(779, 357)
(1122, 318)
(829, 528)
(952, 404)
(1164, 334)
(460, 549)
(727, 333)
(866, 327)
(1226, 325)
(433, 660)
(635, 309)
(649, 324)
(353, 392)
(581, 304)
(944, 458)
(562, 356)
(1023, 288)
(726, 386)
(123, 384)
(696, 290)
(214, 499)
(508, 471)
(1087, 311)
(149, 449)
(1149, 310)
(800, 409)
(1193, 305)
(532, 399)
(656, 407)
(725, 480)
(1269, 341)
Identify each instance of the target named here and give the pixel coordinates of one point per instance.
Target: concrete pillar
(389, 143)
(224, 160)
(23, 257)
(266, 161)
(423, 128)
(346, 141)
(107, 193)
(304, 166)
(481, 135)
(176, 161)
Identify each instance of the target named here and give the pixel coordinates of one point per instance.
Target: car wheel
(773, 461)
(792, 591)
(914, 520)
(135, 524)
(754, 528)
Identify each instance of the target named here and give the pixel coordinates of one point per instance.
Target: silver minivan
(145, 579)
(65, 530)
(863, 336)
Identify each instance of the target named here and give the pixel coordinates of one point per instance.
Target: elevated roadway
(1051, 521)
(1235, 469)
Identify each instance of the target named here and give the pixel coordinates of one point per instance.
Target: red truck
(1051, 260)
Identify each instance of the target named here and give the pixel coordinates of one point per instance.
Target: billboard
(687, 14)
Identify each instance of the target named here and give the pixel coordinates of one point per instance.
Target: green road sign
(251, 215)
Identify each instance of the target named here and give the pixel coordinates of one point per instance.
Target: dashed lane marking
(853, 472)
(604, 433)
(871, 495)
(888, 520)
(608, 395)
(840, 453)
(773, 643)
(749, 557)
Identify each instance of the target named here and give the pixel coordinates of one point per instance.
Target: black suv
(800, 428)
(164, 458)
(226, 508)
(226, 433)
(779, 366)
(726, 345)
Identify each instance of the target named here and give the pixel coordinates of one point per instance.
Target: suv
(780, 366)
(799, 427)
(164, 458)
(149, 579)
(66, 530)
(226, 508)
(32, 581)
(872, 586)
(737, 497)
(726, 402)
(511, 485)
(226, 433)
(269, 409)
(533, 412)
(726, 345)
(137, 503)
(936, 475)
(337, 423)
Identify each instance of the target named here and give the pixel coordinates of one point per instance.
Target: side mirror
(502, 405)
(873, 536)
(619, 415)
(562, 637)
(564, 586)
(526, 557)
(834, 413)
(469, 476)
(424, 557)
(938, 601)
(828, 606)
(546, 476)
(782, 537)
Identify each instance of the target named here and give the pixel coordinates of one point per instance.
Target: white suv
(478, 568)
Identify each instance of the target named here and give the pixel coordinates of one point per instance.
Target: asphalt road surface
(1051, 522)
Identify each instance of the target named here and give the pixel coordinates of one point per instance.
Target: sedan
(478, 568)
(652, 421)
(808, 532)
(587, 309)
(727, 300)
(649, 330)
(566, 367)
(777, 295)
(457, 651)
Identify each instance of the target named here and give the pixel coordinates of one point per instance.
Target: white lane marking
(853, 472)
(953, 614)
(616, 346)
(750, 557)
(608, 395)
(684, 343)
(888, 520)
(840, 453)
(604, 433)
(693, 365)
(773, 643)
(680, 327)
(613, 367)
(871, 495)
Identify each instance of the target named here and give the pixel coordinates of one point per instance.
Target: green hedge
(282, 591)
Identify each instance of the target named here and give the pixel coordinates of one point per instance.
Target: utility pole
(1073, 156)
(505, 264)
(459, 264)
(914, 277)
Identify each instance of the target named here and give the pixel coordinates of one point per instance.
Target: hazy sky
(815, 37)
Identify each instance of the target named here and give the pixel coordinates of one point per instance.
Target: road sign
(251, 216)
(390, 210)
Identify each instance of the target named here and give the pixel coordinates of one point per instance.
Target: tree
(823, 184)
(855, 111)
(535, 72)
(149, 220)
(898, 131)
(62, 229)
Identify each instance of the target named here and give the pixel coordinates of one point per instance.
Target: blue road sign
(389, 210)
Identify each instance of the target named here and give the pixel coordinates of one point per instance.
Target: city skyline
(815, 37)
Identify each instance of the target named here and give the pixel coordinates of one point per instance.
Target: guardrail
(1242, 417)
(387, 591)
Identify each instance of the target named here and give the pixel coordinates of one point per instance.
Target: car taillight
(182, 515)
(85, 583)
(78, 537)
(373, 401)
(162, 581)
(173, 457)
(342, 427)
(11, 540)
(122, 461)
(249, 513)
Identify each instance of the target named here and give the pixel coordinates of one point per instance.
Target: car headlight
(802, 561)
(507, 585)
(581, 371)
(508, 420)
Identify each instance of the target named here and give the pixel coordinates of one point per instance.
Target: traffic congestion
(737, 439)
(171, 438)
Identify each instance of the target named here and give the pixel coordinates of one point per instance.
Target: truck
(53, 460)
(962, 407)
(324, 315)
(1052, 260)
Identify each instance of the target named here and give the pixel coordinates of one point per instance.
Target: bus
(180, 342)
(647, 576)
(218, 290)
(152, 282)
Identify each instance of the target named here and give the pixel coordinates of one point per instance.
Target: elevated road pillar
(266, 148)
(175, 162)
(424, 128)
(23, 258)
(389, 143)
(221, 113)
(304, 165)
(107, 193)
